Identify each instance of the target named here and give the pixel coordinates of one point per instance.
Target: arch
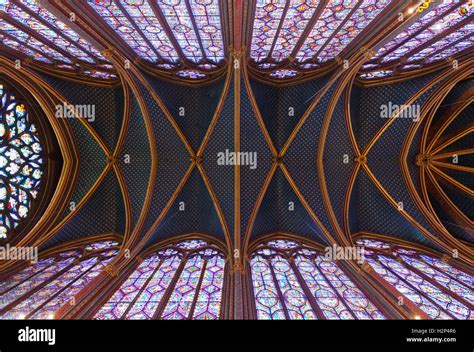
(439, 289)
(292, 280)
(40, 290)
(183, 279)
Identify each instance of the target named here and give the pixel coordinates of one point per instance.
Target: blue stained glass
(179, 20)
(362, 18)
(195, 288)
(17, 35)
(267, 18)
(297, 17)
(206, 13)
(21, 162)
(280, 288)
(376, 74)
(415, 27)
(409, 292)
(54, 36)
(57, 42)
(445, 301)
(333, 15)
(441, 25)
(116, 19)
(442, 279)
(267, 300)
(195, 26)
(453, 50)
(437, 288)
(40, 290)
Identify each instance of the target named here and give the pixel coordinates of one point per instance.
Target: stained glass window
(449, 51)
(292, 281)
(416, 27)
(439, 26)
(445, 31)
(21, 162)
(35, 32)
(329, 21)
(181, 281)
(439, 289)
(279, 26)
(168, 33)
(358, 21)
(281, 74)
(268, 18)
(38, 291)
(376, 74)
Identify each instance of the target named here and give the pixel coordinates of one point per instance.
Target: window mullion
(36, 289)
(144, 286)
(307, 291)
(437, 285)
(27, 279)
(277, 286)
(170, 289)
(334, 289)
(198, 289)
(414, 288)
(444, 272)
(62, 290)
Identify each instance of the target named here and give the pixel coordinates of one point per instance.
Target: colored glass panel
(188, 274)
(450, 270)
(438, 27)
(208, 303)
(442, 279)
(150, 298)
(26, 286)
(267, 300)
(208, 22)
(431, 15)
(331, 18)
(40, 290)
(29, 42)
(452, 50)
(353, 297)
(58, 36)
(297, 17)
(280, 288)
(120, 23)
(21, 162)
(267, 19)
(180, 302)
(408, 291)
(436, 295)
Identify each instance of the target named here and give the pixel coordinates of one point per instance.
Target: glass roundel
(21, 162)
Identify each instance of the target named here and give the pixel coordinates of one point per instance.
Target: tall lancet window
(436, 287)
(30, 29)
(444, 31)
(181, 281)
(40, 290)
(292, 281)
(306, 33)
(174, 35)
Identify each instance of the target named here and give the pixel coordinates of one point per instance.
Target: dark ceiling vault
(329, 168)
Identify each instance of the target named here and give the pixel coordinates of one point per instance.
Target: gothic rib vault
(319, 141)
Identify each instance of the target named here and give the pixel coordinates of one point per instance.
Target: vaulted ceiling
(299, 83)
